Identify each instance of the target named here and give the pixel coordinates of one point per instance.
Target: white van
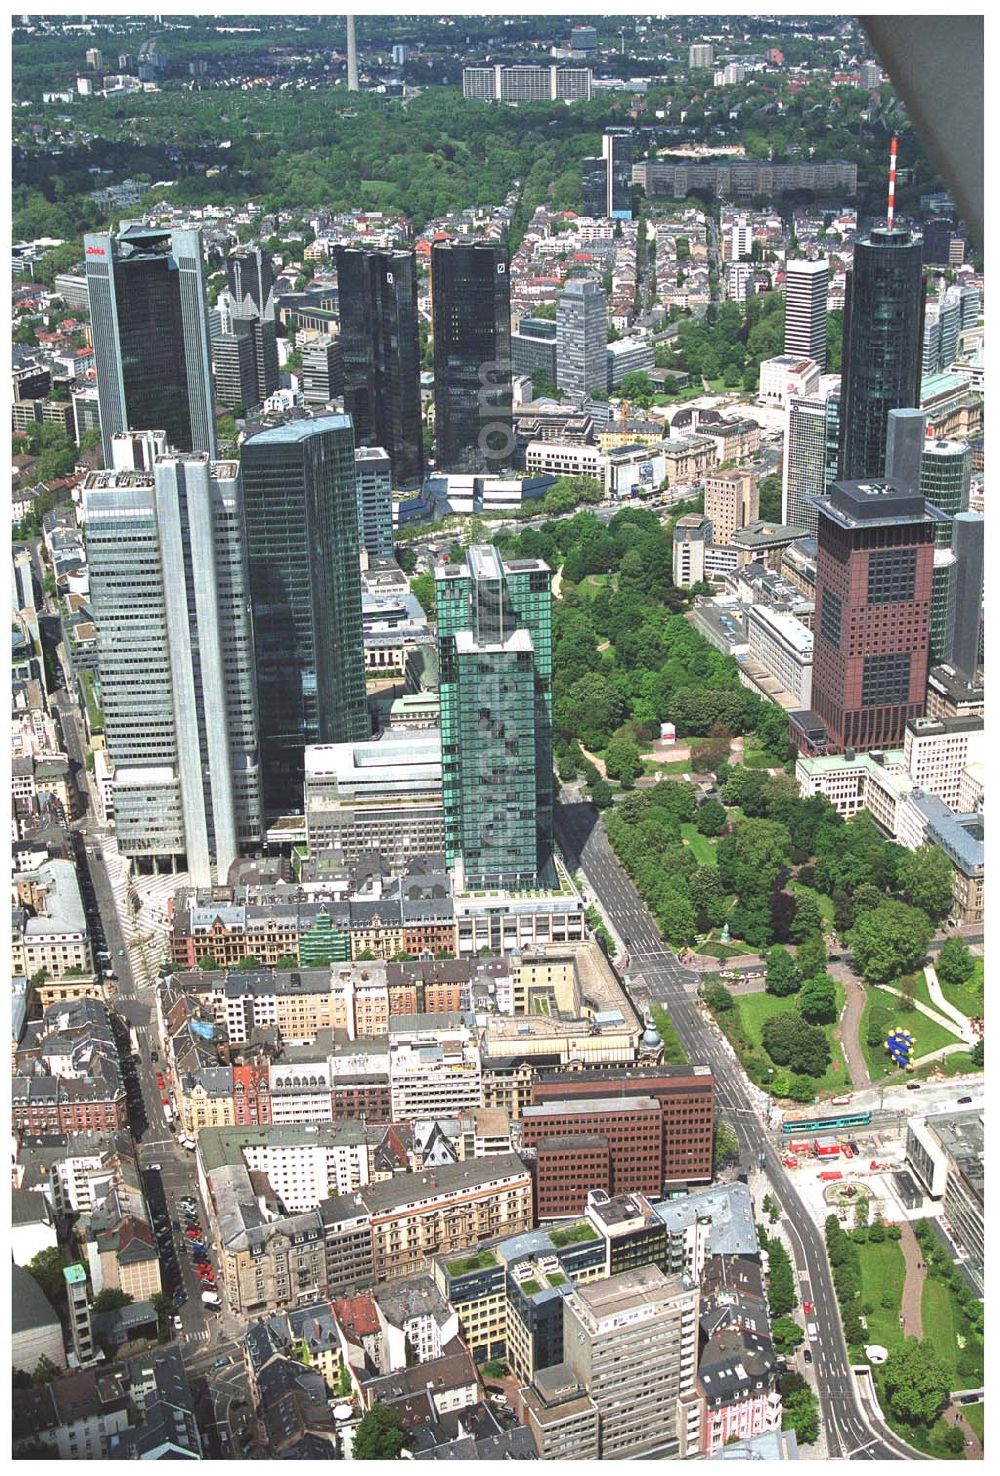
(211, 1299)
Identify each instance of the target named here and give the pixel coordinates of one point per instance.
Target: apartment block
(632, 1341)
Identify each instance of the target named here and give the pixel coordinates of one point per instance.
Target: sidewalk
(937, 998)
(913, 1287)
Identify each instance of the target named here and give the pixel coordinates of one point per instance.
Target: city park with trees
(739, 862)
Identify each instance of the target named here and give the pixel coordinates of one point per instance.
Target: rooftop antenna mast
(892, 180)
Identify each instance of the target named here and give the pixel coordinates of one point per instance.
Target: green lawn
(675, 766)
(754, 757)
(976, 1416)
(927, 1035)
(966, 997)
(823, 902)
(703, 848)
(592, 584)
(944, 1327)
(754, 1009)
(960, 1064)
(883, 1272)
(720, 950)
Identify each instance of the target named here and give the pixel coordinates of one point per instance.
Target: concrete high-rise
(874, 586)
(632, 1342)
(732, 500)
(803, 474)
(380, 353)
(582, 339)
(374, 471)
(235, 365)
(906, 431)
(300, 490)
(806, 287)
(883, 337)
(169, 586)
(352, 56)
(967, 546)
(495, 657)
(149, 320)
(473, 420)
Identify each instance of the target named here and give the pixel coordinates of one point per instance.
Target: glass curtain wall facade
(495, 651)
(176, 660)
(301, 509)
(883, 344)
(380, 343)
(149, 321)
(473, 419)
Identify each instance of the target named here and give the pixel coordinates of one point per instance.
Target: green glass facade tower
(495, 653)
(301, 510)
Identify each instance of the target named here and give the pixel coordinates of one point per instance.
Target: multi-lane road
(657, 977)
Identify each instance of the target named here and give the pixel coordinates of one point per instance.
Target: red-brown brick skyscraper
(874, 583)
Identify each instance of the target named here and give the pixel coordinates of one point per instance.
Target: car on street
(807, 1356)
(222, 1362)
(807, 1309)
(913, 1086)
(192, 1233)
(180, 1297)
(160, 1081)
(964, 1101)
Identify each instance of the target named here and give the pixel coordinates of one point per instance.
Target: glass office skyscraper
(495, 653)
(301, 508)
(168, 580)
(380, 345)
(883, 342)
(250, 278)
(473, 420)
(149, 320)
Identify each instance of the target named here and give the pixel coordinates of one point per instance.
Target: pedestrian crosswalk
(203, 1335)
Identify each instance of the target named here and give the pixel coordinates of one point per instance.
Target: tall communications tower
(352, 56)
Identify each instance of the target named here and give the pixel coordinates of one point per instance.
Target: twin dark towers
(380, 344)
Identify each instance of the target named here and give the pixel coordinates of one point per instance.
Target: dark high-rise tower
(470, 287)
(874, 586)
(607, 181)
(380, 345)
(149, 320)
(250, 276)
(301, 510)
(883, 345)
(967, 546)
(618, 153)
